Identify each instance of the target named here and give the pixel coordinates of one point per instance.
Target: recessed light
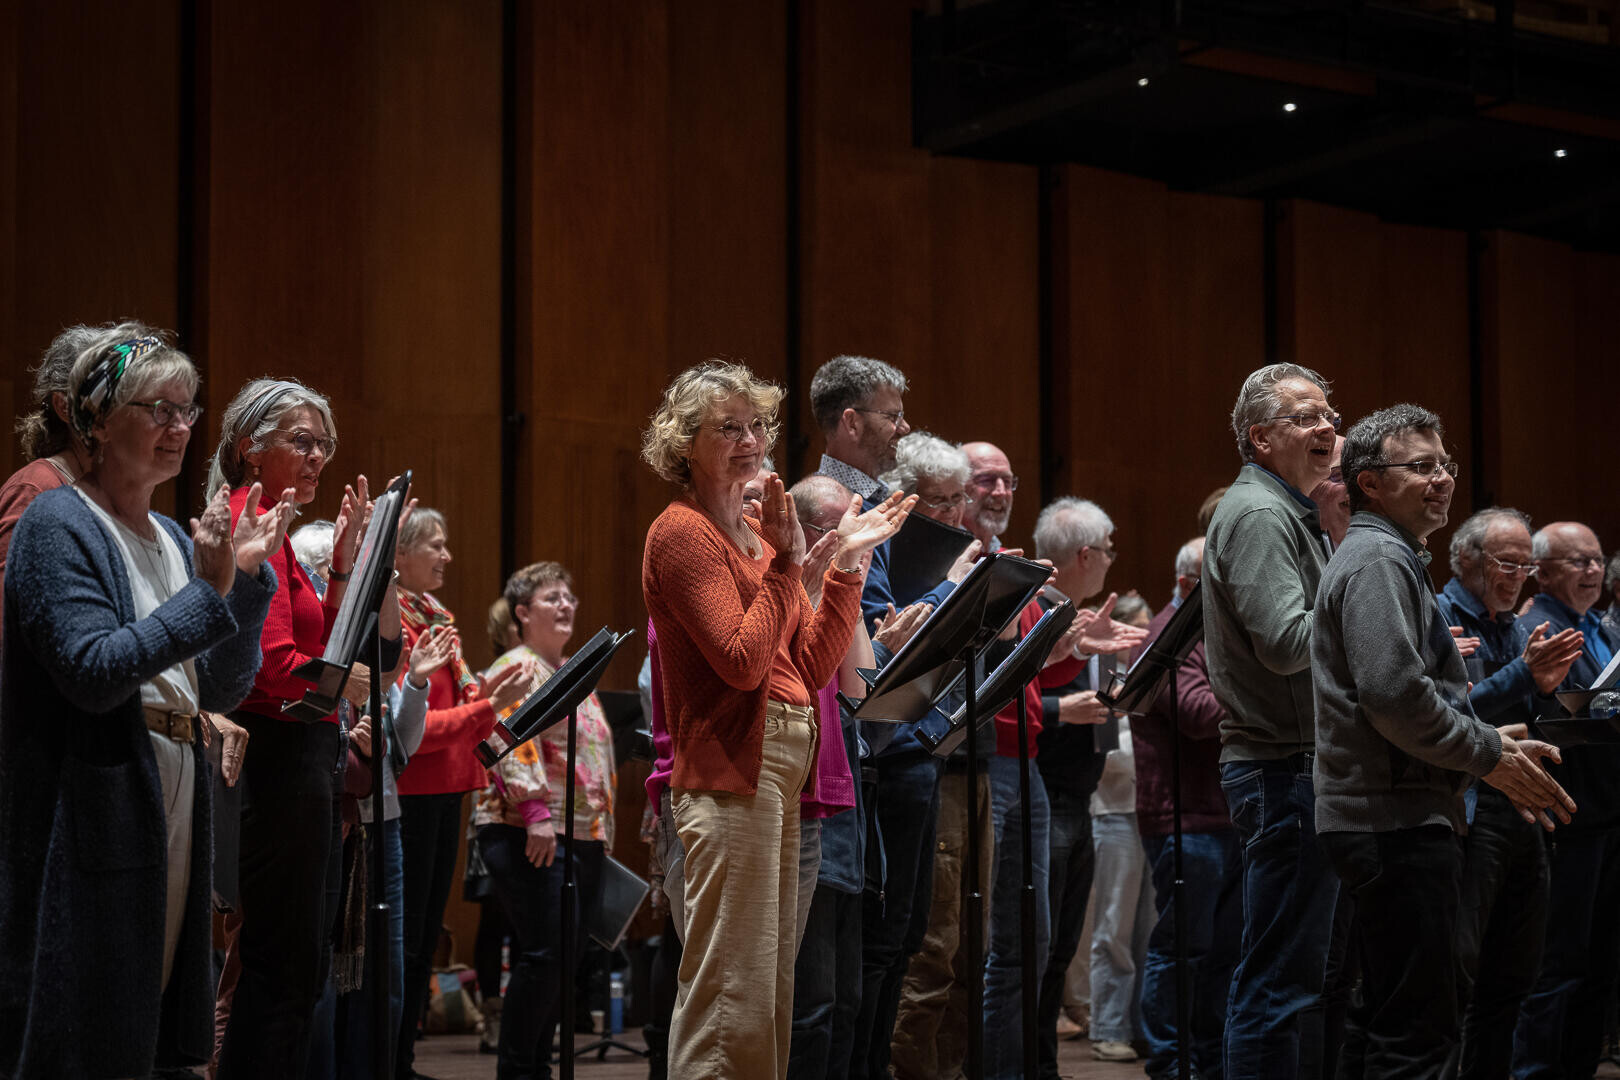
(1560, 152)
(1143, 81)
(1290, 107)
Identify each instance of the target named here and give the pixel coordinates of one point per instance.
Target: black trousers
(290, 865)
(1406, 888)
(430, 835)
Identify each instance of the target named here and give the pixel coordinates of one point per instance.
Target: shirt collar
(1371, 519)
(1298, 496)
(851, 477)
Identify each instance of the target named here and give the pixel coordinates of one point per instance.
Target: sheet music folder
(921, 554)
(1167, 652)
(1005, 683)
(557, 697)
(373, 572)
(979, 608)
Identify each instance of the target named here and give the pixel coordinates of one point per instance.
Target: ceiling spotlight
(1143, 81)
(1290, 107)
(1560, 152)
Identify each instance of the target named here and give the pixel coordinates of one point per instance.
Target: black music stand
(1594, 719)
(1156, 668)
(557, 700)
(946, 647)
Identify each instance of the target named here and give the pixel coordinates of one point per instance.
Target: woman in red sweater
(741, 650)
(461, 712)
(280, 434)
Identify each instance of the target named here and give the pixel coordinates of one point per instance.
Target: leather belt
(173, 725)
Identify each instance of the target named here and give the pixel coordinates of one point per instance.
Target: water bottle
(616, 1003)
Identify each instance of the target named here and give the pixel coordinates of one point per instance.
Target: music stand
(945, 648)
(1156, 668)
(623, 892)
(556, 701)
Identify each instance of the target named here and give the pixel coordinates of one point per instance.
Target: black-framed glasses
(1512, 569)
(988, 480)
(732, 431)
(305, 444)
(1578, 562)
(165, 413)
(1310, 421)
(1428, 468)
(894, 416)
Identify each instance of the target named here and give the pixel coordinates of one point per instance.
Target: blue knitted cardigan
(82, 839)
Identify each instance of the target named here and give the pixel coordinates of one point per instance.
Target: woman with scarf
(461, 712)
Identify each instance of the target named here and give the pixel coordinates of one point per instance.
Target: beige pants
(177, 770)
(734, 1007)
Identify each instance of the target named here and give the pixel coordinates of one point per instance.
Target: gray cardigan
(1396, 739)
(1263, 557)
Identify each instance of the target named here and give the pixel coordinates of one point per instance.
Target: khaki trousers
(734, 1006)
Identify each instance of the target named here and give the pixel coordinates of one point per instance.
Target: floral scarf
(422, 611)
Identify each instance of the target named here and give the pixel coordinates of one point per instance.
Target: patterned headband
(96, 391)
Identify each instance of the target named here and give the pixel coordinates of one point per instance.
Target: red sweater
(445, 764)
(1056, 675)
(720, 621)
(295, 630)
(21, 489)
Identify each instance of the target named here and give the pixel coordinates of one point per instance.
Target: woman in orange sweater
(742, 652)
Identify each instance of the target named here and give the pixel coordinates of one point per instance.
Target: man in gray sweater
(1263, 557)
(1397, 742)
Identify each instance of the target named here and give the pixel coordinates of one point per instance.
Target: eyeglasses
(946, 502)
(894, 416)
(988, 481)
(558, 599)
(1427, 468)
(1512, 569)
(1108, 553)
(1310, 421)
(1580, 562)
(305, 444)
(165, 413)
(732, 431)
(821, 530)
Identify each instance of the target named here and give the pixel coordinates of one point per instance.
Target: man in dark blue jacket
(1560, 1030)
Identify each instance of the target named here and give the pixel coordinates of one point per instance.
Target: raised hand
(1466, 645)
(816, 561)
(1100, 633)
(964, 562)
(1550, 658)
(258, 536)
(507, 686)
(779, 520)
(211, 553)
(353, 516)
(860, 532)
(893, 630)
(1520, 776)
(433, 649)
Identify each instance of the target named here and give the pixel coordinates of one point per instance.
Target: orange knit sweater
(719, 621)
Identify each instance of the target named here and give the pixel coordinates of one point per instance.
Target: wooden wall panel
(1550, 356)
(92, 143)
(928, 263)
(1161, 314)
(1382, 311)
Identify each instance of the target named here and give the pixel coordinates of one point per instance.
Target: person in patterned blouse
(519, 821)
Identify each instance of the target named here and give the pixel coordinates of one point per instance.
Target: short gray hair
(1468, 542)
(1130, 607)
(921, 456)
(844, 382)
(1188, 558)
(1069, 524)
(312, 544)
(1364, 442)
(418, 528)
(255, 413)
(42, 432)
(1258, 401)
(815, 491)
(1611, 573)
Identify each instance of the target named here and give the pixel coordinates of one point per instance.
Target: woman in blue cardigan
(119, 629)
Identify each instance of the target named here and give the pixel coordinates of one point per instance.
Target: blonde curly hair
(666, 445)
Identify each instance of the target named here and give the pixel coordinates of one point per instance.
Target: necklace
(745, 540)
(157, 563)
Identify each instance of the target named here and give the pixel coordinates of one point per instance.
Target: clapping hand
(211, 552)
(859, 533)
(258, 536)
(433, 649)
(1520, 776)
(354, 515)
(779, 520)
(507, 686)
(816, 561)
(1466, 645)
(893, 630)
(1550, 658)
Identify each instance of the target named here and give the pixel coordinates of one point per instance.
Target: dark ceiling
(1419, 116)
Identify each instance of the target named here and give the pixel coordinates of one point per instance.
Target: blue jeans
(1004, 964)
(354, 1010)
(1121, 925)
(1274, 1013)
(1072, 864)
(1560, 1032)
(1211, 871)
(904, 814)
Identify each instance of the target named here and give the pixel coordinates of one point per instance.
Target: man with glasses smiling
(1561, 1024)
(1504, 879)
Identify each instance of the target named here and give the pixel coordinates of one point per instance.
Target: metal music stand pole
(570, 915)
(1178, 889)
(380, 958)
(1026, 915)
(974, 906)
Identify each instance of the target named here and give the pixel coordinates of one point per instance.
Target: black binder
(556, 699)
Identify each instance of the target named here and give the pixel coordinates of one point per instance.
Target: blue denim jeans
(1004, 963)
(894, 920)
(1274, 1013)
(1121, 925)
(1072, 864)
(1211, 872)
